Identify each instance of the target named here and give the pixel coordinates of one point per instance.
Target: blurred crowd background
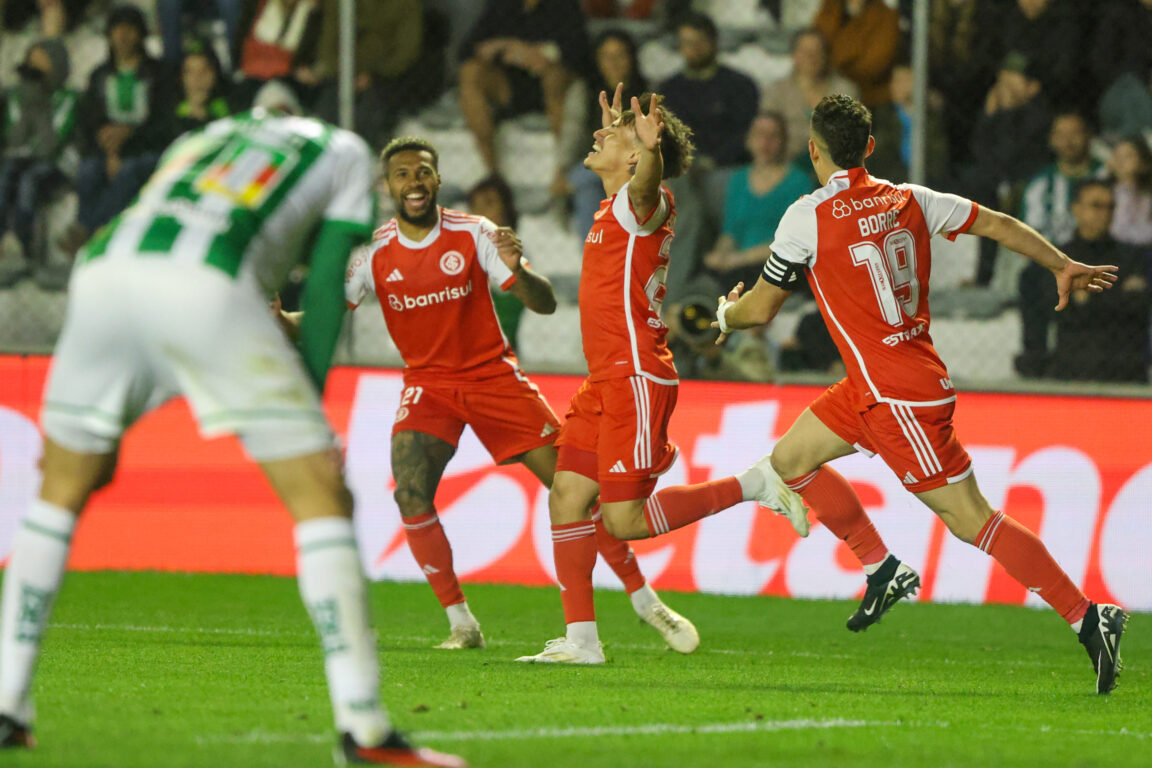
(1040, 108)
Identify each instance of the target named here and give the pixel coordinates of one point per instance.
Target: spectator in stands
(25, 22)
(37, 118)
(1123, 40)
(1125, 108)
(718, 104)
(1130, 166)
(492, 198)
(277, 40)
(55, 16)
(758, 195)
(796, 95)
(1047, 201)
(615, 55)
(1046, 32)
(203, 89)
(961, 65)
(123, 124)
(170, 15)
(715, 101)
(892, 127)
(1009, 145)
(521, 57)
(863, 41)
(1095, 340)
(397, 65)
(1104, 340)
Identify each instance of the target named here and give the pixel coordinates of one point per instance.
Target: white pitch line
(658, 729)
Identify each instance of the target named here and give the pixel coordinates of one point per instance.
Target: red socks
(839, 509)
(574, 550)
(1027, 560)
(682, 505)
(433, 554)
(618, 554)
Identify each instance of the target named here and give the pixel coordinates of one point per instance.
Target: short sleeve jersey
(865, 244)
(622, 290)
(244, 195)
(434, 295)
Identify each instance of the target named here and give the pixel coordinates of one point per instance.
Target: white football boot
(781, 499)
(561, 650)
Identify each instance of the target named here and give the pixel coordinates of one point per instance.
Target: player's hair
(1144, 152)
(843, 125)
(409, 143)
(700, 22)
(676, 147)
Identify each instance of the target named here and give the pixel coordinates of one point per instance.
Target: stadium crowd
(1041, 108)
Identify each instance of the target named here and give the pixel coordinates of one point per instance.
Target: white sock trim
(460, 615)
(49, 519)
(643, 598)
(583, 633)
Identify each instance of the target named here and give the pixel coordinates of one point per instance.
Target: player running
(169, 299)
(865, 246)
(430, 268)
(614, 442)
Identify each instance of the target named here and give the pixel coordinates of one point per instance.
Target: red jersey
(434, 295)
(866, 244)
(622, 289)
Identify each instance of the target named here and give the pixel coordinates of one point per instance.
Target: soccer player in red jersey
(614, 442)
(864, 246)
(430, 267)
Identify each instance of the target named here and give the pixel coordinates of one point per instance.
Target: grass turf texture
(148, 669)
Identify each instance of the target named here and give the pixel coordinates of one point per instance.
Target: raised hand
(649, 127)
(1082, 277)
(508, 247)
(610, 112)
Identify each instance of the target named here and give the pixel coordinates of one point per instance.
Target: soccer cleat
(15, 734)
(396, 751)
(1100, 635)
(886, 587)
(678, 632)
(564, 651)
(781, 499)
(463, 637)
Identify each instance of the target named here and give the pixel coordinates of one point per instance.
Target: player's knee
(411, 502)
(787, 463)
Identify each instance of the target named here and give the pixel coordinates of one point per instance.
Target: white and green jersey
(246, 195)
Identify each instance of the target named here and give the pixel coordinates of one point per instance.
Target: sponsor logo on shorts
(909, 479)
(401, 413)
(618, 467)
(452, 263)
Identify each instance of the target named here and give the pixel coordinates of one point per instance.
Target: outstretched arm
(644, 189)
(1018, 236)
(533, 289)
(757, 307)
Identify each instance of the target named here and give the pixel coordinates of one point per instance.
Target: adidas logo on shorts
(395, 277)
(618, 467)
(909, 479)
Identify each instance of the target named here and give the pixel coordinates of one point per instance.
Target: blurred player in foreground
(169, 299)
(865, 247)
(614, 442)
(430, 267)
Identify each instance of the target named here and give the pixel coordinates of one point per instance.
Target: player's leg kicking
(614, 445)
(810, 442)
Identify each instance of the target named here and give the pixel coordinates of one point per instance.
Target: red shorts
(616, 433)
(916, 441)
(507, 413)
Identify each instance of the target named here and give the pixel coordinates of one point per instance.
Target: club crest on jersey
(840, 209)
(395, 303)
(452, 263)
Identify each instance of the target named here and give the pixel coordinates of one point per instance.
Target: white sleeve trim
(795, 239)
(622, 210)
(358, 281)
(490, 261)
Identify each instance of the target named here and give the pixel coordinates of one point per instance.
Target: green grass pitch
(146, 670)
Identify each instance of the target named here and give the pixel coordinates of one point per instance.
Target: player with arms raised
(170, 298)
(864, 245)
(614, 442)
(430, 267)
